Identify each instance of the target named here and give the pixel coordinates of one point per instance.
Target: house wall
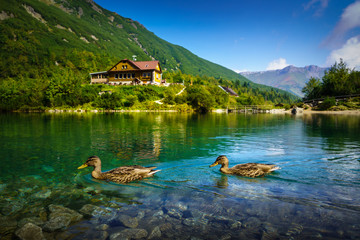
(99, 78)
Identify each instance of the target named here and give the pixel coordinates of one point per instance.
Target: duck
(124, 174)
(246, 170)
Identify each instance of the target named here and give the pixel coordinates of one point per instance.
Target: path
(159, 101)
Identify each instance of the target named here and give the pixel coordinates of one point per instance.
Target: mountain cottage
(127, 72)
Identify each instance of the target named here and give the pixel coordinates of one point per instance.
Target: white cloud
(349, 52)
(277, 64)
(314, 4)
(350, 19)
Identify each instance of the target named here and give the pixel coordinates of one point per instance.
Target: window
(147, 74)
(120, 75)
(133, 75)
(129, 75)
(116, 76)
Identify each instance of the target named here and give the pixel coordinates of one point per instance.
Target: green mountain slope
(37, 37)
(47, 32)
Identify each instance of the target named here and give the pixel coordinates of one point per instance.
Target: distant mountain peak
(290, 78)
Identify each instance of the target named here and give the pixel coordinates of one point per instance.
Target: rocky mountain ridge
(290, 78)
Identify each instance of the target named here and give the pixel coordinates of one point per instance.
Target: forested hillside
(37, 35)
(48, 48)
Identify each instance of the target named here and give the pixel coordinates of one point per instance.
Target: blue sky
(254, 35)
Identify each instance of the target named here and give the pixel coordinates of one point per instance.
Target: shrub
(109, 101)
(287, 106)
(130, 101)
(183, 108)
(327, 103)
(200, 99)
(338, 108)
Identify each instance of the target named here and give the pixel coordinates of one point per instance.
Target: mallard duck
(122, 174)
(246, 169)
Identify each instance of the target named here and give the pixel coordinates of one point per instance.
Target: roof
(142, 65)
(230, 91)
(146, 65)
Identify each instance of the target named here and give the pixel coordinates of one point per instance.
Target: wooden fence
(315, 102)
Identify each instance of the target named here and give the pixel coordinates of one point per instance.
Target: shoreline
(271, 111)
(344, 112)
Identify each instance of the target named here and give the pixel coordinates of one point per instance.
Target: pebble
(174, 213)
(102, 227)
(42, 194)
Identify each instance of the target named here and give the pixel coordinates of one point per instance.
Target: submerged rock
(270, 235)
(175, 213)
(98, 235)
(102, 214)
(42, 194)
(128, 221)
(12, 207)
(134, 233)
(227, 236)
(90, 210)
(235, 225)
(34, 220)
(48, 169)
(158, 213)
(60, 218)
(140, 215)
(155, 233)
(7, 226)
(57, 222)
(102, 227)
(30, 232)
(75, 216)
(2, 186)
(252, 222)
(190, 222)
(294, 229)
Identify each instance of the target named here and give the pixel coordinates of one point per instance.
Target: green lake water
(315, 194)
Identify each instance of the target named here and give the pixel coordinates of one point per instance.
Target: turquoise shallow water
(314, 195)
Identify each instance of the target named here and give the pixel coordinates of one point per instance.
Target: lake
(315, 194)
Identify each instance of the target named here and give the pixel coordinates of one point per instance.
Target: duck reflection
(222, 182)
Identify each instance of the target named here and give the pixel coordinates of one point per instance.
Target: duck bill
(214, 164)
(83, 166)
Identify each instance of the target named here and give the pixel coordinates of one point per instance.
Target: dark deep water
(315, 195)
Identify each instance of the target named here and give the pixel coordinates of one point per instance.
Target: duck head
(222, 160)
(91, 161)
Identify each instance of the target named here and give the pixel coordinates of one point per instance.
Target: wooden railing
(337, 98)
